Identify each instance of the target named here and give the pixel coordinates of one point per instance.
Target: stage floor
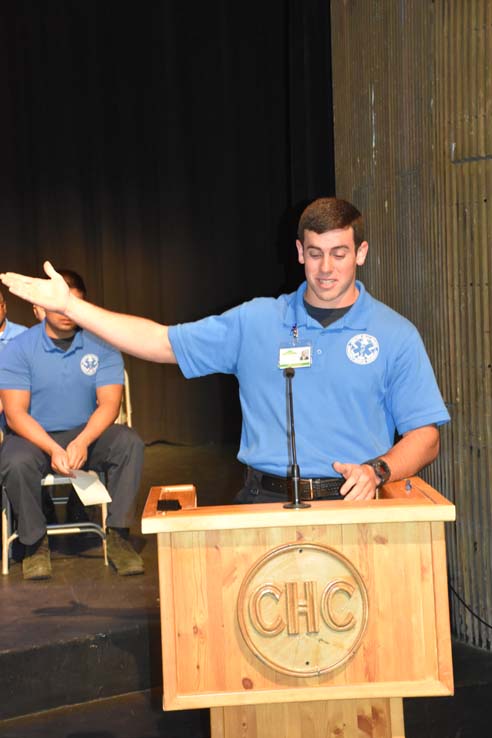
(87, 633)
(84, 596)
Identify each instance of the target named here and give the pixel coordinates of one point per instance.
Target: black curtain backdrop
(164, 150)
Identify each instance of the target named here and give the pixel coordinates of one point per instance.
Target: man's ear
(361, 254)
(38, 312)
(300, 252)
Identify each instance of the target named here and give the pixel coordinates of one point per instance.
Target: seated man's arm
(108, 407)
(16, 406)
(414, 450)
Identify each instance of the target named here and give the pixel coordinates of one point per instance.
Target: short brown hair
(73, 280)
(329, 213)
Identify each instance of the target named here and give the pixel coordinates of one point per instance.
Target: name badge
(294, 356)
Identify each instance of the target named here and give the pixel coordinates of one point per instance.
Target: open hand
(51, 294)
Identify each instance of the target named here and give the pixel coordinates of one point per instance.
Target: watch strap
(381, 469)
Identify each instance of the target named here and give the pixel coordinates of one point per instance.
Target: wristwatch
(381, 469)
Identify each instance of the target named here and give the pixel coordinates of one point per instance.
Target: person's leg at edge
(22, 467)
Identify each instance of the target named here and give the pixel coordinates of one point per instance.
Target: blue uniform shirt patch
(89, 364)
(363, 349)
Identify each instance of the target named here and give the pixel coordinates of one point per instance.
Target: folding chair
(53, 529)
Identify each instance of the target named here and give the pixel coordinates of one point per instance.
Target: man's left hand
(360, 481)
(77, 453)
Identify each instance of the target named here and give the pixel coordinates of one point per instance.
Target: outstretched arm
(129, 333)
(415, 450)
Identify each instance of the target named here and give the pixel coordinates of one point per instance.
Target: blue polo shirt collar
(5, 334)
(48, 345)
(355, 319)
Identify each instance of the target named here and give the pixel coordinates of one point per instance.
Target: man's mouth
(326, 282)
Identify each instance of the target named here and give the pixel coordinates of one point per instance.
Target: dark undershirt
(325, 316)
(63, 343)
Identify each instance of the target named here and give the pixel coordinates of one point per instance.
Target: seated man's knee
(19, 459)
(127, 439)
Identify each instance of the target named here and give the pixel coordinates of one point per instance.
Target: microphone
(296, 502)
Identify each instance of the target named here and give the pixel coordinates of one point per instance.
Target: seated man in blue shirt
(61, 388)
(364, 373)
(8, 331)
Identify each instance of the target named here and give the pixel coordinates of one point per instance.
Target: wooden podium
(310, 623)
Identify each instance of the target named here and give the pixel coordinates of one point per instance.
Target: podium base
(370, 718)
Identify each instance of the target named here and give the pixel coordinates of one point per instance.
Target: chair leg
(5, 544)
(7, 536)
(104, 515)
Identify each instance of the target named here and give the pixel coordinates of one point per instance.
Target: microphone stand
(296, 502)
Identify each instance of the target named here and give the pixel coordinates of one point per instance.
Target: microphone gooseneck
(295, 503)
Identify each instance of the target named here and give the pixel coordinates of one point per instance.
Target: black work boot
(122, 555)
(36, 563)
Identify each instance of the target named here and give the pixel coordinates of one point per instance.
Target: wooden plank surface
(371, 718)
(405, 651)
(403, 501)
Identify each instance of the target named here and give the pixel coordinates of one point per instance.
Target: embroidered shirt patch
(363, 349)
(89, 364)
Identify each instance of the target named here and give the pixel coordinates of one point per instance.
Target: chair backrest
(125, 414)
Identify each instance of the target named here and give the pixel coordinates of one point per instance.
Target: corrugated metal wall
(413, 149)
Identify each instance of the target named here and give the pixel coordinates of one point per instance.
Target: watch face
(382, 469)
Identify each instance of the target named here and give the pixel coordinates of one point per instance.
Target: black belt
(321, 488)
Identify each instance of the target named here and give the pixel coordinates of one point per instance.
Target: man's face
(330, 262)
(3, 314)
(59, 326)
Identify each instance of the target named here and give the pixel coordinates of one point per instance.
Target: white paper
(89, 488)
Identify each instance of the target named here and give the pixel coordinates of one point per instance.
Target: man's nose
(327, 264)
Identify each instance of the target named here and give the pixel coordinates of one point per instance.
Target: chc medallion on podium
(303, 609)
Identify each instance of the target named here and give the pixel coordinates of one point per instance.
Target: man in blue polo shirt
(61, 388)
(363, 374)
(8, 331)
